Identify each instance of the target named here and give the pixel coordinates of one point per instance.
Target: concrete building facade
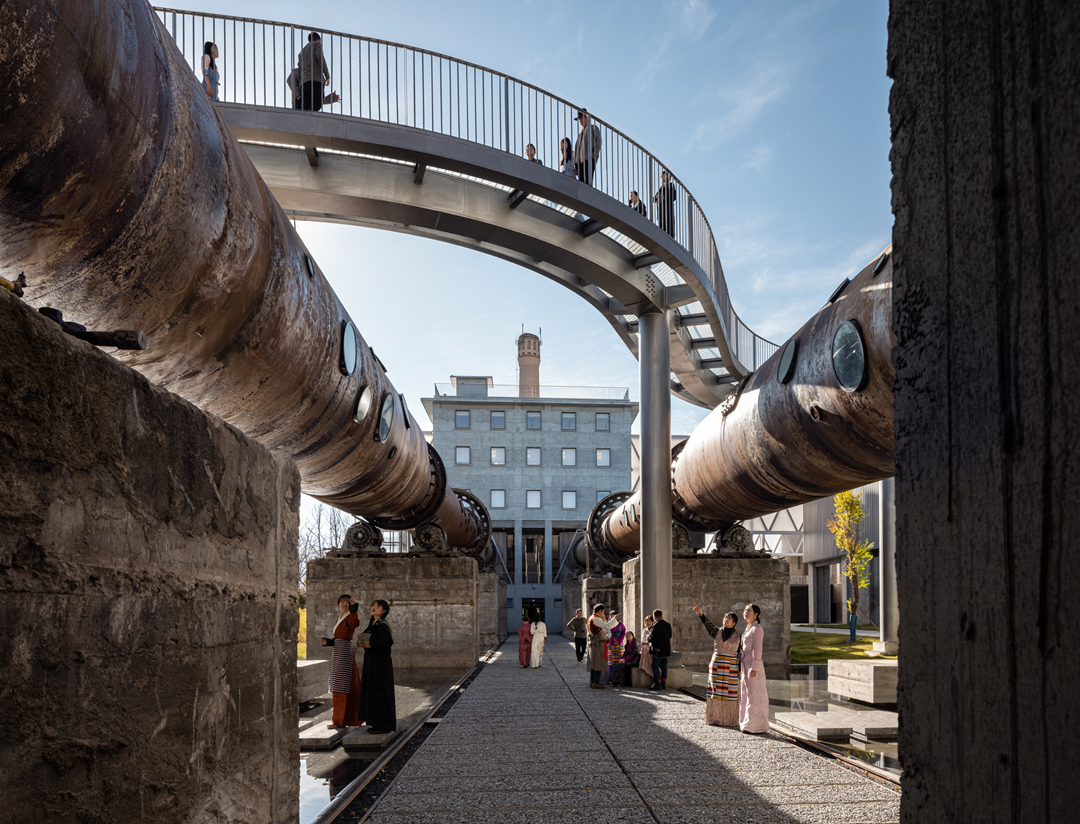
(539, 463)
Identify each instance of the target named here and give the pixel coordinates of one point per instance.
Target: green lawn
(817, 648)
(838, 626)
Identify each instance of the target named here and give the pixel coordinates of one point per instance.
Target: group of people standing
(368, 696)
(532, 635)
(736, 695)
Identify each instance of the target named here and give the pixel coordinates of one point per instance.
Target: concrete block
(434, 605)
(360, 740)
(871, 681)
(720, 585)
(148, 580)
(886, 648)
(824, 726)
(312, 679)
(491, 609)
(321, 737)
(679, 678)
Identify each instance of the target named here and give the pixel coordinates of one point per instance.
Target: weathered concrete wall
(985, 112)
(571, 602)
(433, 605)
(491, 609)
(606, 591)
(720, 585)
(148, 578)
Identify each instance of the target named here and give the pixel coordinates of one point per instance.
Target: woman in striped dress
(722, 693)
(344, 677)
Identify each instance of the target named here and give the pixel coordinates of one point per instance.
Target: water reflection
(323, 776)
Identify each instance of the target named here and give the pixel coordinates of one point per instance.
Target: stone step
(358, 739)
(321, 737)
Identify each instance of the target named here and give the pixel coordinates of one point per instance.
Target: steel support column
(888, 606)
(655, 364)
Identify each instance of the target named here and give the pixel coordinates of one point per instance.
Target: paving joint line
(625, 772)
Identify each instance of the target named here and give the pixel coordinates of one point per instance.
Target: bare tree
(323, 530)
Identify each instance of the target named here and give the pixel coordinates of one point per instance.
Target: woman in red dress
(524, 643)
(344, 677)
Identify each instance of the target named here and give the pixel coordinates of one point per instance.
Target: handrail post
(506, 112)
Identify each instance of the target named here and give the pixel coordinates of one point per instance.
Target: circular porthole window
(849, 356)
(363, 405)
(786, 368)
(350, 348)
(386, 417)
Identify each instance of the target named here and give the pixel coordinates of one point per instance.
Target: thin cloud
(690, 19)
(740, 105)
(759, 158)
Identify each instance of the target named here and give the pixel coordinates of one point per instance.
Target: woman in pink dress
(753, 698)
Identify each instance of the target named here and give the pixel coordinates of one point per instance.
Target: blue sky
(775, 116)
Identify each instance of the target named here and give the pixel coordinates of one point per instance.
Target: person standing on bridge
(587, 148)
(314, 73)
(211, 78)
(344, 678)
(530, 154)
(665, 203)
(566, 157)
(378, 706)
(637, 204)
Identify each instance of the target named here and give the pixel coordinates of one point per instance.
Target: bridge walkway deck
(525, 745)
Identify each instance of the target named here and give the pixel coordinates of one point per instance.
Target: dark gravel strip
(373, 791)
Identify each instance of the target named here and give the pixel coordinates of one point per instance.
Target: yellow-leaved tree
(857, 553)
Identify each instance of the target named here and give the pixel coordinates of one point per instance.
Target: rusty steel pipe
(774, 444)
(130, 205)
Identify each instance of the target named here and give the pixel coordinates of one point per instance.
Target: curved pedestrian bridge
(425, 144)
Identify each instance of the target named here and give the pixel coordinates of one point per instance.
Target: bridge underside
(345, 170)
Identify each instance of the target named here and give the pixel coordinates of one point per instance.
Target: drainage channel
(389, 760)
(825, 751)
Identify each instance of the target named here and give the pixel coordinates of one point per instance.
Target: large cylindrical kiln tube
(814, 420)
(129, 204)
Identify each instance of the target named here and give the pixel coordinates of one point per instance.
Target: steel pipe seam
(137, 208)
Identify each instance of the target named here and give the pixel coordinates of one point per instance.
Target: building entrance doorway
(531, 605)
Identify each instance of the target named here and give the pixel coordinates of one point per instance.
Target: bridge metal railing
(399, 84)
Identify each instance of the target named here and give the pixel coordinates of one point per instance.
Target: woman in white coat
(538, 630)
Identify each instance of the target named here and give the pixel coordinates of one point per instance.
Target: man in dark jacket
(314, 73)
(660, 649)
(580, 628)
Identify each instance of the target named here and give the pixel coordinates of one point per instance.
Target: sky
(773, 114)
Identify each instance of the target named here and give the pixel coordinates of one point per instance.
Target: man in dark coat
(660, 647)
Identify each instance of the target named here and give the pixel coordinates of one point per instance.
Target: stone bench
(873, 682)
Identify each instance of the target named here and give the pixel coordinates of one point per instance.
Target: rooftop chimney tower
(528, 365)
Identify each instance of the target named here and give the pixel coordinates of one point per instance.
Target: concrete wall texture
(720, 585)
(434, 606)
(985, 111)
(491, 611)
(148, 578)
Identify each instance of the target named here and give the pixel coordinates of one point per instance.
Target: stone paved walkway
(525, 745)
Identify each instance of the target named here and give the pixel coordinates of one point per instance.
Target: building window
(603, 457)
(532, 499)
(569, 420)
(498, 420)
(603, 421)
(461, 419)
(602, 494)
(569, 499)
(569, 457)
(498, 499)
(498, 456)
(532, 420)
(532, 456)
(461, 455)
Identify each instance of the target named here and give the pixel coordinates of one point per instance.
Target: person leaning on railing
(314, 73)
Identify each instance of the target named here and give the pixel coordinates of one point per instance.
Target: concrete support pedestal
(720, 585)
(606, 591)
(571, 602)
(434, 602)
(491, 609)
